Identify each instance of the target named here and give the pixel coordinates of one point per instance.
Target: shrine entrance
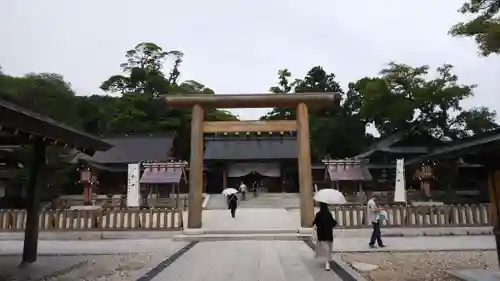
(300, 101)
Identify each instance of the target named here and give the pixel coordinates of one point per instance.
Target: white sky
(238, 46)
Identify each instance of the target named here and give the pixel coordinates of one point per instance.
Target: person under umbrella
(324, 223)
(227, 192)
(233, 204)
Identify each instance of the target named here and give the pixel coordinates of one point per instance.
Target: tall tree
(335, 132)
(404, 96)
(484, 27)
(139, 108)
(43, 93)
(144, 71)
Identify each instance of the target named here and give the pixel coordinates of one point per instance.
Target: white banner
(133, 188)
(400, 188)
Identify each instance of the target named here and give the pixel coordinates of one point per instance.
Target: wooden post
(224, 178)
(195, 199)
(305, 173)
(493, 186)
(87, 193)
(30, 248)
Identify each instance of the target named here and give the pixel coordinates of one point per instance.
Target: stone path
(421, 243)
(344, 244)
(247, 261)
(97, 247)
(249, 220)
(222, 260)
(263, 200)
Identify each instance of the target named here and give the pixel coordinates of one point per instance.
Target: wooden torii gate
(300, 101)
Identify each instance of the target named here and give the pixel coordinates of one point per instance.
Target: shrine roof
(134, 149)
(19, 125)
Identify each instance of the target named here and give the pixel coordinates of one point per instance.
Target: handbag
(382, 216)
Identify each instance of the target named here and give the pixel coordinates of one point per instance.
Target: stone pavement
(341, 244)
(97, 247)
(247, 261)
(263, 200)
(235, 260)
(249, 220)
(419, 243)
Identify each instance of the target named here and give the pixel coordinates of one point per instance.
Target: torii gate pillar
(195, 197)
(305, 169)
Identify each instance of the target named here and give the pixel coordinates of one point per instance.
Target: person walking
(243, 190)
(373, 211)
(233, 204)
(324, 223)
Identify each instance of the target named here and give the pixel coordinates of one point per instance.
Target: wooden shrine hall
(344, 173)
(162, 180)
(19, 126)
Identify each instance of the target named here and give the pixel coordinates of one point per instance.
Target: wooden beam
(249, 126)
(254, 100)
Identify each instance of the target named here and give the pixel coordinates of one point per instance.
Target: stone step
(241, 237)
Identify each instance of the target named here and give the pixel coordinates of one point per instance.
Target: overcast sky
(236, 46)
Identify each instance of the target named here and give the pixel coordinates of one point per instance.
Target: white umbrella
(329, 196)
(229, 191)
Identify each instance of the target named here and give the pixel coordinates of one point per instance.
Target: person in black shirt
(324, 223)
(233, 204)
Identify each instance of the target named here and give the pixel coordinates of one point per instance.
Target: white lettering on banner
(133, 188)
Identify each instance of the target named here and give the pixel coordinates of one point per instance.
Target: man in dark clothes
(233, 204)
(325, 223)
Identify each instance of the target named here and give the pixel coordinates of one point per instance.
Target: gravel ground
(112, 268)
(426, 266)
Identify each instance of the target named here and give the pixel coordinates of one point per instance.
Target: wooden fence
(78, 220)
(354, 216)
(347, 216)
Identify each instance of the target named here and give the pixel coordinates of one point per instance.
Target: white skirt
(324, 250)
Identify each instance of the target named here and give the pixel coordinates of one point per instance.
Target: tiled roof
(26, 121)
(134, 149)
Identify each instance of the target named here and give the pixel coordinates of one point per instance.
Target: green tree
(404, 96)
(335, 132)
(144, 71)
(140, 109)
(43, 93)
(484, 27)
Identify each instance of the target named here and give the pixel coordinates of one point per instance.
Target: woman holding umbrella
(232, 200)
(324, 222)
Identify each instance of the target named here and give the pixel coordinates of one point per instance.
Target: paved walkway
(263, 200)
(96, 247)
(234, 260)
(247, 261)
(341, 244)
(249, 219)
(420, 243)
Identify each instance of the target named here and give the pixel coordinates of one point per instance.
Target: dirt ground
(412, 266)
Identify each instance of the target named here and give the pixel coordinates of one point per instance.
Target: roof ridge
(138, 135)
